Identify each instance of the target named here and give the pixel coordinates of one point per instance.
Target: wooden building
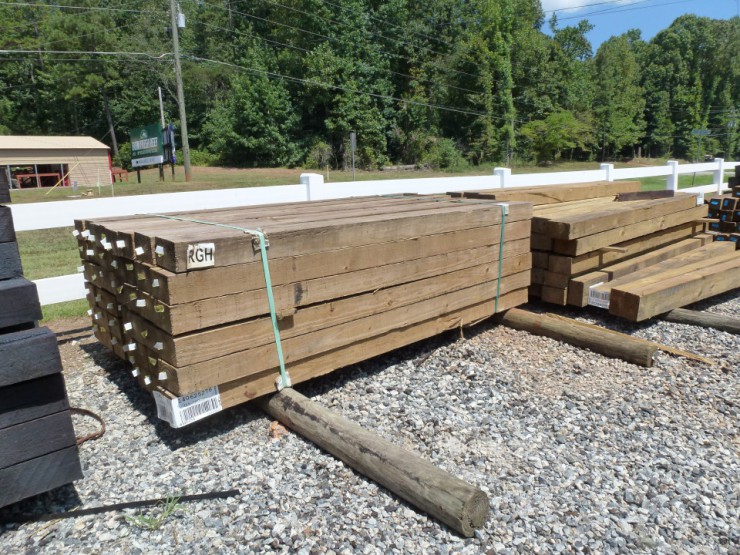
(34, 161)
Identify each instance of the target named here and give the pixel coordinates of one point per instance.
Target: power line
(362, 63)
(92, 53)
(312, 82)
(326, 37)
(376, 33)
(625, 9)
(590, 5)
(83, 8)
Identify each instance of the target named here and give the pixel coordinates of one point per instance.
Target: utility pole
(180, 94)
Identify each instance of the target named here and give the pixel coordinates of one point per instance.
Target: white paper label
(181, 411)
(598, 298)
(121, 244)
(201, 255)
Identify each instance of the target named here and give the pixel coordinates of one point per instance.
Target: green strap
(500, 257)
(284, 378)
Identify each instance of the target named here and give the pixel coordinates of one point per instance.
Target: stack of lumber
(38, 451)
(724, 211)
(4, 187)
(691, 276)
(572, 239)
(186, 302)
(554, 194)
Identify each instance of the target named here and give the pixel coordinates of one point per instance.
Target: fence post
(671, 180)
(608, 169)
(503, 175)
(311, 180)
(719, 174)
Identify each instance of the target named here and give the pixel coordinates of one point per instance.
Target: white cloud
(574, 6)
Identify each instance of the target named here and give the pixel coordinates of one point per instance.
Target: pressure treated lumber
(638, 301)
(459, 505)
(28, 440)
(578, 287)
(7, 231)
(212, 372)
(604, 342)
(554, 193)
(4, 188)
(202, 345)
(10, 261)
(234, 247)
(39, 475)
(722, 322)
(582, 220)
(254, 386)
(32, 399)
(174, 289)
(28, 354)
(594, 260)
(610, 237)
(19, 302)
(698, 258)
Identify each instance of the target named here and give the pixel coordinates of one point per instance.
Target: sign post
(146, 147)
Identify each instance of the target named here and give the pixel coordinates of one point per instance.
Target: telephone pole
(180, 94)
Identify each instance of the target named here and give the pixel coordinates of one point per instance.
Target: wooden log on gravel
(605, 342)
(456, 503)
(721, 322)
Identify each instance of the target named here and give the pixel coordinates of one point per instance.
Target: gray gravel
(578, 453)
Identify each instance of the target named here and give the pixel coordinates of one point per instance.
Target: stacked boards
(573, 239)
(724, 213)
(38, 451)
(703, 270)
(184, 297)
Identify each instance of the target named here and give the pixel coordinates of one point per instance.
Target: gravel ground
(577, 452)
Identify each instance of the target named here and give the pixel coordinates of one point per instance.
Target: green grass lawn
(53, 252)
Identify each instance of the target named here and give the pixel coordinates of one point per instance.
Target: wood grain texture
(638, 301)
(35, 438)
(459, 505)
(10, 261)
(19, 302)
(722, 322)
(39, 475)
(253, 386)
(27, 355)
(555, 194)
(7, 230)
(32, 399)
(605, 342)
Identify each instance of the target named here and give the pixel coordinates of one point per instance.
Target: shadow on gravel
(118, 373)
(58, 500)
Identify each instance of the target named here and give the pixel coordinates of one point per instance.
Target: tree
(558, 132)
(619, 103)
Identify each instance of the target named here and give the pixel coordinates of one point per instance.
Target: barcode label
(598, 298)
(181, 411)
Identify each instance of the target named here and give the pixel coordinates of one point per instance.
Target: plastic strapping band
(500, 256)
(284, 378)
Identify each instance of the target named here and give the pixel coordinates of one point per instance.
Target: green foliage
(558, 132)
(155, 521)
(443, 154)
(267, 84)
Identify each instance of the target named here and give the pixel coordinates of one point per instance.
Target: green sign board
(700, 132)
(146, 146)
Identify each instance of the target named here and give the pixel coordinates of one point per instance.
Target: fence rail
(49, 215)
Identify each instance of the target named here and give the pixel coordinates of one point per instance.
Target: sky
(614, 17)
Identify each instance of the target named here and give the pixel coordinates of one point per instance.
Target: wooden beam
(459, 505)
(39, 475)
(7, 231)
(28, 354)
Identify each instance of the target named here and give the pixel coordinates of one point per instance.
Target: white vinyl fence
(48, 215)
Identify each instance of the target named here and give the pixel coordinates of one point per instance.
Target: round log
(722, 322)
(605, 342)
(456, 503)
